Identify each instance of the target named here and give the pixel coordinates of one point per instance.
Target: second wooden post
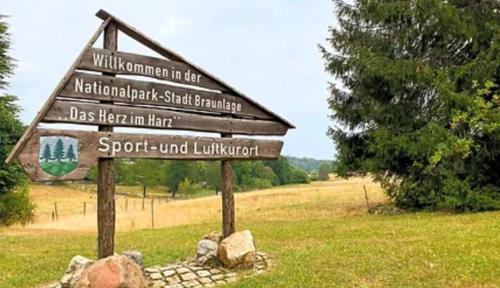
(106, 214)
(228, 216)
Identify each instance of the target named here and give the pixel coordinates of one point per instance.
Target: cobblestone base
(191, 274)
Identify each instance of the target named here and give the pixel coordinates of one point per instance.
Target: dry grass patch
(334, 198)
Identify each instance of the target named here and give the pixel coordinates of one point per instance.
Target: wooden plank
(93, 145)
(106, 211)
(145, 117)
(31, 128)
(157, 47)
(97, 87)
(104, 60)
(228, 214)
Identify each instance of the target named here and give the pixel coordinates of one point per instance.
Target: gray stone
(177, 285)
(156, 276)
(158, 284)
(206, 251)
(183, 270)
(205, 280)
(203, 273)
(215, 271)
(173, 280)
(188, 276)
(217, 277)
(238, 250)
(135, 256)
(191, 283)
(151, 270)
(74, 271)
(168, 273)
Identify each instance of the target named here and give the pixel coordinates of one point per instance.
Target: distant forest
(309, 165)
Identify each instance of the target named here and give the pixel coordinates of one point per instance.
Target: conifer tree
(14, 202)
(47, 153)
(70, 154)
(59, 150)
(410, 76)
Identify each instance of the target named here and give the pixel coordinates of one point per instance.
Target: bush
(16, 206)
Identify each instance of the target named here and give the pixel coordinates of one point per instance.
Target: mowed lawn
(319, 235)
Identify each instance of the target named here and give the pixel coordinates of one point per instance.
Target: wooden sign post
(106, 211)
(228, 215)
(183, 97)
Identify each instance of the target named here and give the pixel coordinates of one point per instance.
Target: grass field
(319, 235)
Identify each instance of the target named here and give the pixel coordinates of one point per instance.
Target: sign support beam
(106, 214)
(228, 215)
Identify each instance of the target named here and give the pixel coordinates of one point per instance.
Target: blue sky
(267, 49)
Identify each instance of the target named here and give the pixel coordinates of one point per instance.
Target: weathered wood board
(98, 87)
(122, 63)
(47, 155)
(146, 117)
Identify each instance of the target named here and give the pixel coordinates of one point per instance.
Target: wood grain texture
(122, 63)
(96, 87)
(106, 212)
(145, 117)
(228, 212)
(157, 47)
(31, 128)
(95, 145)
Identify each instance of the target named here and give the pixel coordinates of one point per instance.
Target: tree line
(187, 176)
(59, 152)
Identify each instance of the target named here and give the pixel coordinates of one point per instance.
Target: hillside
(307, 164)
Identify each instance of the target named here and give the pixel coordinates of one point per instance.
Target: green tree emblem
(59, 150)
(70, 154)
(47, 153)
(58, 155)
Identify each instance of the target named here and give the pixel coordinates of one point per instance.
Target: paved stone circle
(191, 274)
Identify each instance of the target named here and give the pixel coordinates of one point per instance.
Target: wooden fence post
(55, 211)
(228, 217)
(152, 213)
(366, 198)
(106, 214)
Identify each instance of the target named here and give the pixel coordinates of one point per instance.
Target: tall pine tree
(411, 78)
(59, 150)
(14, 201)
(46, 154)
(70, 154)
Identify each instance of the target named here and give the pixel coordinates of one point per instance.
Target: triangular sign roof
(148, 42)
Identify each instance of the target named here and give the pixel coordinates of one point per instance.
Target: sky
(266, 49)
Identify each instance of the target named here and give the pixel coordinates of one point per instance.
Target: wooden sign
(189, 98)
(128, 116)
(97, 87)
(121, 63)
(182, 97)
(68, 155)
